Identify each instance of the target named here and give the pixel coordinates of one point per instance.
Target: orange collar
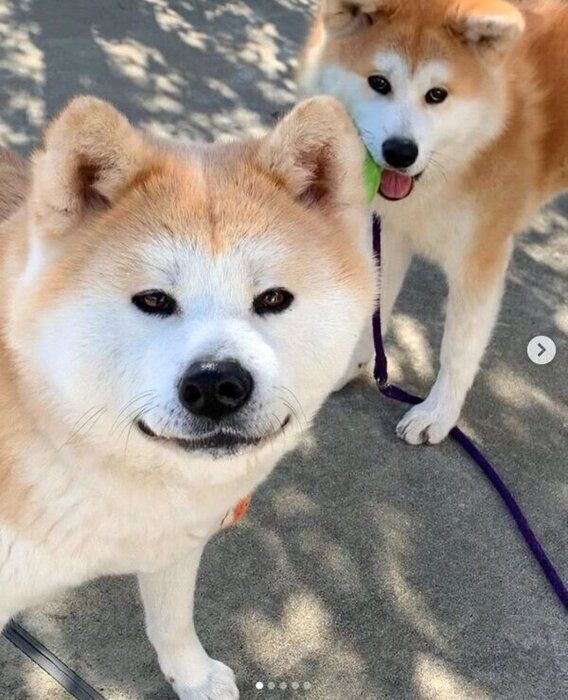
(237, 513)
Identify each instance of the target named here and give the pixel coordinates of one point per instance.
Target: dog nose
(400, 153)
(215, 388)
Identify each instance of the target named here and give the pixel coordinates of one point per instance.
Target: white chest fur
(435, 223)
(87, 521)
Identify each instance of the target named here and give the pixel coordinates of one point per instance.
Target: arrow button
(541, 350)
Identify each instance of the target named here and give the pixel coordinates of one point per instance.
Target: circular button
(541, 350)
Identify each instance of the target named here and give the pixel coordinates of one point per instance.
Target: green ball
(371, 176)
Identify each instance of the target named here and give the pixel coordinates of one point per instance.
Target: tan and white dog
(174, 316)
(465, 103)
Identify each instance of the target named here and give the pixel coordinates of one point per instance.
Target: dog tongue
(395, 185)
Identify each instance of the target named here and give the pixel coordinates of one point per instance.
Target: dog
(174, 317)
(465, 105)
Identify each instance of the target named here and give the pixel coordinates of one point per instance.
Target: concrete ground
(366, 568)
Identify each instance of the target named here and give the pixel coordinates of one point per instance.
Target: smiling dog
(465, 105)
(173, 318)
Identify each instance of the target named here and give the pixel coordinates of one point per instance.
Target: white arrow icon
(541, 350)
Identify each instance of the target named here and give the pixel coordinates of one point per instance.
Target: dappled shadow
(367, 568)
(194, 69)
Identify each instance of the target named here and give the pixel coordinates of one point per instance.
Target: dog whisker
(138, 397)
(297, 401)
(127, 418)
(83, 423)
(133, 415)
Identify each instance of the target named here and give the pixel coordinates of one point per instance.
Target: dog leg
(396, 256)
(168, 607)
(395, 259)
(473, 305)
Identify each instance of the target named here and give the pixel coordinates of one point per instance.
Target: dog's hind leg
(474, 298)
(168, 607)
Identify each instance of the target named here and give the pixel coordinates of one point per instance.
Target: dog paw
(426, 424)
(219, 684)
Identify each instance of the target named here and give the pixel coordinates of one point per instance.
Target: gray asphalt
(366, 568)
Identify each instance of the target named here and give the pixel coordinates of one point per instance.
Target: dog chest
(438, 230)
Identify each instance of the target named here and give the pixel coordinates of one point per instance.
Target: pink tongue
(395, 185)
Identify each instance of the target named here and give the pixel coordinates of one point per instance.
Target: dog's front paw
(219, 684)
(427, 423)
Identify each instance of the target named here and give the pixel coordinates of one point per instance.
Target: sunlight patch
(435, 680)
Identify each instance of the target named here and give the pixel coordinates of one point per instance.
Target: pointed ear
(90, 152)
(317, 155)
(346, 16)
(488, 25)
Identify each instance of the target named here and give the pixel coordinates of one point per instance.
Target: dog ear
(89, 153)
(346, 16)
(489, 25)
(315, 152)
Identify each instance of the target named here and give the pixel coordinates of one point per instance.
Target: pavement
(366, 568)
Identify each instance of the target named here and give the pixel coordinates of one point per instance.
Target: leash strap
(53, 666)
(395, 392)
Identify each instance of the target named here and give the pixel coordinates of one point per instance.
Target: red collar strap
(237, 513)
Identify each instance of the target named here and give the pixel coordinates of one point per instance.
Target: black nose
(400, 153)
(215, 388)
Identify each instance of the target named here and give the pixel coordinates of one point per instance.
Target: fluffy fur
(489, 155)
(109, 213)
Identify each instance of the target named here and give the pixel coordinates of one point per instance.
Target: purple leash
(395, 392)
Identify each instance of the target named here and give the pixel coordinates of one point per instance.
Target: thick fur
(489, 155)
(109, 213)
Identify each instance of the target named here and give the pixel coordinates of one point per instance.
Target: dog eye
(435, 96)
(155, 302)
(272, 301)
(379, 84)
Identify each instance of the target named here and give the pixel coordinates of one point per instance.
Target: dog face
(199, 301)
(422, 80)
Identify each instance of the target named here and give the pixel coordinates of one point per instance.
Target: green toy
(371, 176)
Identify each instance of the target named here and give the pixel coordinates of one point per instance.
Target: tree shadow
(182, 69)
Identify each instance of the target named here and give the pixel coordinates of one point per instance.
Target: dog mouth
(396, 185)
(220, 441)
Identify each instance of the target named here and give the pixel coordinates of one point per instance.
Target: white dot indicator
(283, 685)
(259, 685)
(271, 685)
(295, 685)
(306, 685)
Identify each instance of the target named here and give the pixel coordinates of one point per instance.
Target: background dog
(174, 317)
(466, 106)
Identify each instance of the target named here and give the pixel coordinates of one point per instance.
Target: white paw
(219, 684)
(426, 423)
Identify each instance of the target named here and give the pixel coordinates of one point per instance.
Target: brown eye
(435, 96)
(272, 301)
(155, 302)
(379, 84)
